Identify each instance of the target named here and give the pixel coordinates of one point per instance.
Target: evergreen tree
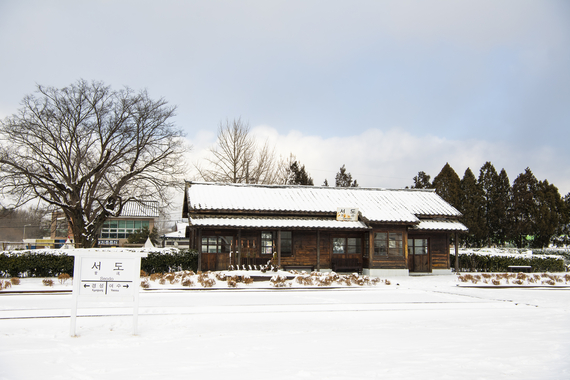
(448, 185)
(488, 180)
(523, 208)
(298, 175)
(472, 208)
(326, 183)
(502, 207)
(141, 236)
(564, 238)
(549, 214)
(344, 179)
(422, 181)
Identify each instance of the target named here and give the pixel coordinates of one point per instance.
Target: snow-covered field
(413, 328)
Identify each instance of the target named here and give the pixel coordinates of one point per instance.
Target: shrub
(63, 278)
(35, 264)
(47, 282)
(15, 281)
(473, 262)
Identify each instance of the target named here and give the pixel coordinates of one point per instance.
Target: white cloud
(391, 158)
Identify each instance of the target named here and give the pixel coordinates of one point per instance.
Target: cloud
(391, 158)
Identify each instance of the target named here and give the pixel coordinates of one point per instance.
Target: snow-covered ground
(413, 328)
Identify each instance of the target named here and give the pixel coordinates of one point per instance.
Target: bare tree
(87, 149)
(237, 158)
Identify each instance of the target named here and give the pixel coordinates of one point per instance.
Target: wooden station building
(368, 230)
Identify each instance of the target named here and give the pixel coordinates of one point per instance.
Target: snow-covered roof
(268, 222)
(374, 204)
(140, 209)
(441, 225)
(179, 233)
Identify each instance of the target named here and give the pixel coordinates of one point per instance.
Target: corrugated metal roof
(440, 225)
(262, 222)
(376, 205)
(140, 209)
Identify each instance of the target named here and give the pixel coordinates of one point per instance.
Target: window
(418, 246)
(267, 247)
(388, 244)
(347, 245)
(217, 244)
(121, 229)
(269, 243)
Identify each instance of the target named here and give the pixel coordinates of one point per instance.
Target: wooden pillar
(279, 249)
(199, 249)
(456, 253)
(238, 258)
(318, 251)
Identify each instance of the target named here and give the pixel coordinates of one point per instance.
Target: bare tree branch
(87, 149)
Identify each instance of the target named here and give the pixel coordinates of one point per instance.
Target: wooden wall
(305, 248)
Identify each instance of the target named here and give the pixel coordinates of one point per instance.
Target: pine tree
(549, 214)
(502, 209)
(488, 180)
(326, 183)
(141, 236)
(524, 208)
(472, 208)
(448, 185)
(422, 181)
(298, 175)
(344, 179)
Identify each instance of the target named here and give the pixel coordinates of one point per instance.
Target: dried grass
(62, 278)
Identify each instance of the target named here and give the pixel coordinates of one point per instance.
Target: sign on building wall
(347, 214)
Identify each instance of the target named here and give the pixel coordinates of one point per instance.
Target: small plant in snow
(232, 283)
(62, 278)
(247, 280)
(279, 281)
(15, 281)
(145, 284)
(47, 282)
(188, 282)
(5, 284)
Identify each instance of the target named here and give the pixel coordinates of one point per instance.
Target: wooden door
(418, 255)
(249, 250)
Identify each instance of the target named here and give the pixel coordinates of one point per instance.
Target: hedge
(472, 262)
(49, 264)
(157, 262)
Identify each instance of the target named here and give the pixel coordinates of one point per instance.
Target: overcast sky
(388, 88)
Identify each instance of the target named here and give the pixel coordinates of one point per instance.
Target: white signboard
(106, 275)
(346, 214)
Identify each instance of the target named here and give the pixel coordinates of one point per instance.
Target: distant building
(176, 238)
(134, 216)
(115, 231)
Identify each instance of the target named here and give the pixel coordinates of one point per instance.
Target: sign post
(106, 276)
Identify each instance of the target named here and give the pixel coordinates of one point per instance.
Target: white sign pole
(106, 276)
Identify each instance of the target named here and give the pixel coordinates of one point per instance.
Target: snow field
(426, 328)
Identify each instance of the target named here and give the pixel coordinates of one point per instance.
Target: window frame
(412, 247)
(388, 244)
(350, 245)
(217, 244)
(269, 243)
(121, 228)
